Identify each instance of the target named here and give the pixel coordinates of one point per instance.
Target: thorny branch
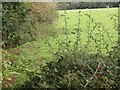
(88, 81)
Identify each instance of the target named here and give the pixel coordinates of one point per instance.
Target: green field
(100, 15)
(37, 50)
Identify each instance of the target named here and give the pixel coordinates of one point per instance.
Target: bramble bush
(75, 67)
(76, 70)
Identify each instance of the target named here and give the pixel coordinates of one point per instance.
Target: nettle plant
(74, 66)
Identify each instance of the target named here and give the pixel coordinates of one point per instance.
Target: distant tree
(62, 5)
(73, 5)
(83, 5)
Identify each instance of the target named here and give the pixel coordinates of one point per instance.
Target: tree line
(83, 5)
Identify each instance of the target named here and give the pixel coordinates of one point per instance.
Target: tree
(83, 5)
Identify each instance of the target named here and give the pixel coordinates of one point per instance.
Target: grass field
(102, 16)
(37, 50)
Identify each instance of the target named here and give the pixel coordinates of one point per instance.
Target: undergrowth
(73, 66)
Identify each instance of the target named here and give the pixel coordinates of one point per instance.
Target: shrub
(19, 21)
(14, 14)
(8, 74)
(14, 69)
(44, 12)
(75, 67)
(86, 70)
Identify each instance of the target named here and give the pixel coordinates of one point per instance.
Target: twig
(93, 74)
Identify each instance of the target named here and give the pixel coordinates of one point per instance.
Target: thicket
(19, 21)
(13, 15)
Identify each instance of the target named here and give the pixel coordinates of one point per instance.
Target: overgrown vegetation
(20, 24)
(14, 14)
(88, 60)
(76, 67)
(19, 21)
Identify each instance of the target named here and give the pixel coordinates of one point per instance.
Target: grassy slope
(37, 50)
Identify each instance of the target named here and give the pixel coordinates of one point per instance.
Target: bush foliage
(19, 18)
(14, 14)
(86, 71)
